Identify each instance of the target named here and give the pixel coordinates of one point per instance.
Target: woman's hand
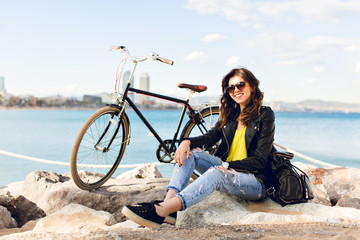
(183, 149)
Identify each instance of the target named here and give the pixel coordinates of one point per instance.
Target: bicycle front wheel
(99, 147)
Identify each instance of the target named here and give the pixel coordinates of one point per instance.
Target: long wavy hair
(229, 109)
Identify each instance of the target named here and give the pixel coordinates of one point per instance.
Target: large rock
(6, 221)
(145, 171)
(52, 191)
(5, 199)
(221, 208)
(73, 218)
(349, 202)
(24, 210)
(21, 209)
(338, 182)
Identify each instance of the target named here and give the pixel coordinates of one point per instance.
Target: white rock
(128, 224)
(14, 188)
(39, 184)
(52, 191)
(221, 208)
(75, 217)
(149, 170)
(339, 182)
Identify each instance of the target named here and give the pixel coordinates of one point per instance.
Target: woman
(240, 164)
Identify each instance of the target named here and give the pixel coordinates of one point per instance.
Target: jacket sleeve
(258, 160)
(208, 139)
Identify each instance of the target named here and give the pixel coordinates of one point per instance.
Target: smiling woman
(238, 167)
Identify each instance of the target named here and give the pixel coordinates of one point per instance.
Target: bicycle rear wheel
(92, 160)
(208, 118)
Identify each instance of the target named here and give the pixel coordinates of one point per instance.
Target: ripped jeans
(243, 185)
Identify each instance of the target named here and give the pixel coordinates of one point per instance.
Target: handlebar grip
(116, 48)
(164, 60)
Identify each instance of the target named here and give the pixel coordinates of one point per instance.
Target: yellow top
(238, 146)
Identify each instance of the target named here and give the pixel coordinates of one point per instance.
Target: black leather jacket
(259, 138)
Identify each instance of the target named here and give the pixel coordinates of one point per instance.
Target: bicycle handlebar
(164, 60)
(154, 56)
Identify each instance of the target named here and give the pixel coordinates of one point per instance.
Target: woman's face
(242, 95)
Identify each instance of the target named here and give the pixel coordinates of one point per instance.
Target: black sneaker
(171, 219)
(143, 214)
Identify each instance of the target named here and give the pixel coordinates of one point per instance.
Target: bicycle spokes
(109, 134)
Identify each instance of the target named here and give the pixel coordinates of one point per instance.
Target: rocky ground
(48, 205)
(254, 231)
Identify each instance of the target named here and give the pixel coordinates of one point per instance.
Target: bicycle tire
(89, 157)
(209, 117)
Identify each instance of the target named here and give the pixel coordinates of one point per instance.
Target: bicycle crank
(164, 156)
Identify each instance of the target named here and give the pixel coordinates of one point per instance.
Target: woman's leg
(201, 161)
(243, 185)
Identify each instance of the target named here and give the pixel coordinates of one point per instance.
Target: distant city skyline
(298, 49)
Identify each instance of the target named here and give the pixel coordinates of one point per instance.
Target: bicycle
(102, 140)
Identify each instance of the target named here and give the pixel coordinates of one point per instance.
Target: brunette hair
(230, 110)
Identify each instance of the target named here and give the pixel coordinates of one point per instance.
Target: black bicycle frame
(152, 130)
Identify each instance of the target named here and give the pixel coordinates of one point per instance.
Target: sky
(298, 49)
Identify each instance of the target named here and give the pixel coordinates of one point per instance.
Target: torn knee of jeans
(213, 168)
(197, 150)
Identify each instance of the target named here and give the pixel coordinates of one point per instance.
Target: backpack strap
(286, 155)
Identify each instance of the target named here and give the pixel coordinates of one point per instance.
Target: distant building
(2, 86)
(144, 85)
(91, 99)
(3, 96)
(124, 83)
(105, 97)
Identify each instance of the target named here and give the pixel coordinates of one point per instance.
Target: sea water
(50, 134)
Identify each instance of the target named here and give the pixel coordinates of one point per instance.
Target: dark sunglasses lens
(240, 85)
(230, 88)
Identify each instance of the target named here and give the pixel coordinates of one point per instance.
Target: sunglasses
(239, 85)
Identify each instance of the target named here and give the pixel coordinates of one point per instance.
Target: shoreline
(5, 108)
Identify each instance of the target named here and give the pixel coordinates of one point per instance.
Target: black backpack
(289, 184)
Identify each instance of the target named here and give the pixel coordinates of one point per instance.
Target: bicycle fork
(111, 121)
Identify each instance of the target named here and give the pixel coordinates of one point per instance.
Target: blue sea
(49, 134)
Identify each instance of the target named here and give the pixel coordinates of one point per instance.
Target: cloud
(353, 47)
(213, 37)
(308, 82)
(233, 60)
(197, 55)
(248, 12)
(319, 68)
(357, 67)
(290, 49)
(238, 10)
(310, 10)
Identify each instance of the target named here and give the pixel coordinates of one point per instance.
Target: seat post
(191, 92)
